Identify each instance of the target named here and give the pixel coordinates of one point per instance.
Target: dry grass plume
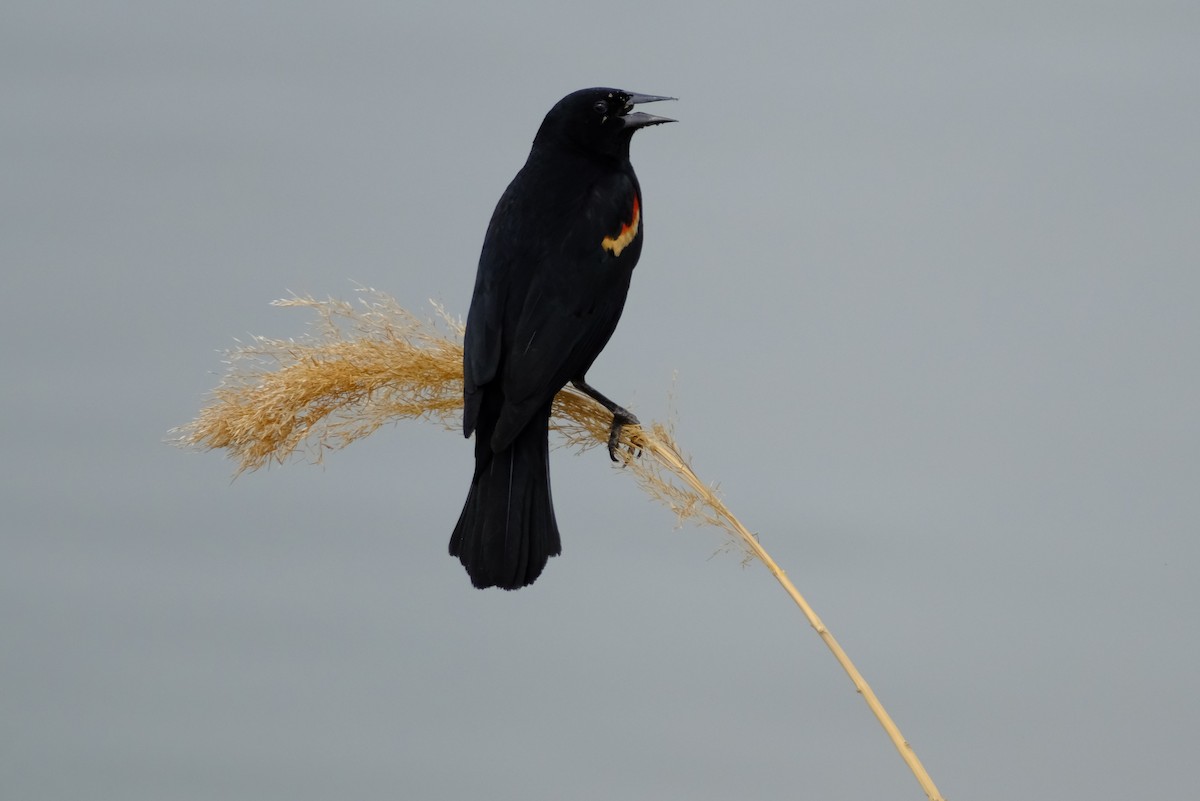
(366, 364)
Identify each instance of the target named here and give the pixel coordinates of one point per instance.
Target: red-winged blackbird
(553, 275)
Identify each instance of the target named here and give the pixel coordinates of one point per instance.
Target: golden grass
(367, 364)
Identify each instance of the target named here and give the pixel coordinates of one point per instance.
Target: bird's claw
(622, 418)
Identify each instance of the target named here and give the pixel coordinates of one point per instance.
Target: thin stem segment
(672, 461)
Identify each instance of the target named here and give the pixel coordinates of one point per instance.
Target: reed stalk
(367, 364)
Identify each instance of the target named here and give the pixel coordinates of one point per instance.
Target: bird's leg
(621, 417)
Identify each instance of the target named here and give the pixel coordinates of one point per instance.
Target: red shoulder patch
(628, 232)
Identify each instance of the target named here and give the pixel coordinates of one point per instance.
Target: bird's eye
(601, 107)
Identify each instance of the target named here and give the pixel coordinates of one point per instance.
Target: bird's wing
(484, 340)
(572, 303)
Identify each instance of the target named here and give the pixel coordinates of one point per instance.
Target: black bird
(552, 280)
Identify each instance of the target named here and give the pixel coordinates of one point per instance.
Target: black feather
(548, 294)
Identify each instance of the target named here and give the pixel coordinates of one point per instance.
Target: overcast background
(928, 278)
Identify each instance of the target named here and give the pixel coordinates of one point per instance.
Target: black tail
(507, 531)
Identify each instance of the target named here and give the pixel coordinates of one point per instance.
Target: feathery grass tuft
(363, 365)
(367, 364)
(359, 367)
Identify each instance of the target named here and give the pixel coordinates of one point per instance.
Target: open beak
(640, 119)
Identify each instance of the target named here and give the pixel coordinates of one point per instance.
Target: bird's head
(599, 121)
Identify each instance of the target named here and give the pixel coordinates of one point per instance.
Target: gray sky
(929, 281)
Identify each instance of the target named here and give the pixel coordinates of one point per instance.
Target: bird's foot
(622, 418)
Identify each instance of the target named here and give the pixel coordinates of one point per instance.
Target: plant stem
(670, 459)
